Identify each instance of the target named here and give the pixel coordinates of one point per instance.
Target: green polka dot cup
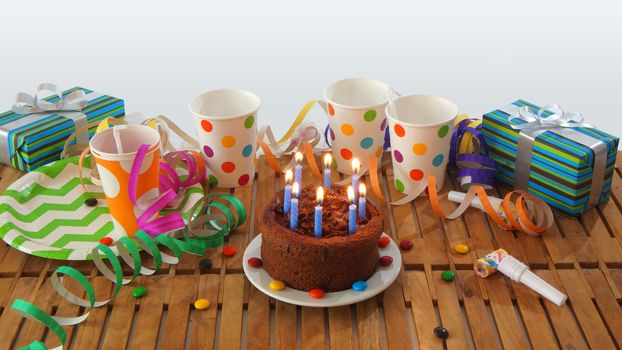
(226, 126)
(420, 128)
(356, 116)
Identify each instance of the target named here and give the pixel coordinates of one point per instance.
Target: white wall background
(157, 55)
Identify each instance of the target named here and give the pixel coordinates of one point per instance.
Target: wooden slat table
(582, 257)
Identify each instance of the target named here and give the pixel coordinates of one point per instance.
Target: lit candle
(352, 211)
(362, 201)
(356, 167)
(293, 216)
(328, 161)
(287, 197)
(298, 168)
(318, 212)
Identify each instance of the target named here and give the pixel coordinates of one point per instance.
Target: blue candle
(328, 160)
(293, 216)
(287, 196)
(318, 213)
(351, 211)
(362, 201)
(298, 168)
(356, 167)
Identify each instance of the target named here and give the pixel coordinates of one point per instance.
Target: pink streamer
(170, 186)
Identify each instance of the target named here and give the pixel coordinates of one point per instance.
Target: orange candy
(317, 293)
(229, 251)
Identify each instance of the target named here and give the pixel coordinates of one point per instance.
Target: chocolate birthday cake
(331, 262)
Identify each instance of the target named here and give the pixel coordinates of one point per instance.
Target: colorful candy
(205, 264)
(255, 262)
(461, 248)
(90, 202)
(448, 275)
(201, 304)
(383, 241)
(229, 251)
(277, 285)
(317, 293)
(441, 332)
(359, 286)
(385, 260)
(106, 241)
(406, 244)
(139, 292)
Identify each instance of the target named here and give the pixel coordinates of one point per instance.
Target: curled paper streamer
(195, 241)
(171, 187)
(519, 210)
(468, 154)
(302, 137)
(526, 213)
(487, 264)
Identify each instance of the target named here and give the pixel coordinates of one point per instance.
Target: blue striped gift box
(561, 168)
(35, 144)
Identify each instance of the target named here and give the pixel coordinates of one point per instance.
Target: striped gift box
(38, 143)
(561, 168)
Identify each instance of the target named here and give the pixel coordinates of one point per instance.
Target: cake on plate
(331, 262)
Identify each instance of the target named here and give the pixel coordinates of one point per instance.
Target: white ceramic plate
(379, 281)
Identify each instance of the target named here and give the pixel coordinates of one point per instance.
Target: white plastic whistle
(519, 272)
(458, 197)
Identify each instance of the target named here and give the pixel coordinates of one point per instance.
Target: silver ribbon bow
(561, 123)
(36, 108)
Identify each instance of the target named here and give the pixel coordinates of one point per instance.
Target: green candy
(139, 292)
(448, 275)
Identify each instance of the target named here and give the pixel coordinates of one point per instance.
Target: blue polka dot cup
(226, 126)
(420, 129)
(356, 116)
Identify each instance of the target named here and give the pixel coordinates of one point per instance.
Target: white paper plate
(379, 281)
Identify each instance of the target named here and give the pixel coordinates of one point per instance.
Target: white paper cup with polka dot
(356, 116)
(226, 125)
(420, 129)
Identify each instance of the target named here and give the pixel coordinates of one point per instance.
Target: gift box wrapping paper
(33, 144)
(561, 167)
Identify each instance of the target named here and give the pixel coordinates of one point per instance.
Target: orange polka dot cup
(226, 125)
(114, 151)
(420, 129)
(356, 115)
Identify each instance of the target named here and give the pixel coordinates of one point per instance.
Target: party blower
(501, 261)
(458, 197)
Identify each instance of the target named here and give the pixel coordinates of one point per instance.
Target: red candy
(383, 241)
(316, 293)
(385, 260)
(229, 251)
(255, 262)
(406, 245)
(106, 241)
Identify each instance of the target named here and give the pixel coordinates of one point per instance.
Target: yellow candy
(201, 304)
(277, 285)
(461, 248)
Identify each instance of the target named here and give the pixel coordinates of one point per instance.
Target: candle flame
(295, 189)
(320, 195)
(362, 190)
(328, 160)
(351, 194)
(356, 165)
(298, 157)
(288, 177)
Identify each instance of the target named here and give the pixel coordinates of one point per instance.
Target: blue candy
(359, 286)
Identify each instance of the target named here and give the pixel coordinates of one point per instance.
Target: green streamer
(206, 229)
